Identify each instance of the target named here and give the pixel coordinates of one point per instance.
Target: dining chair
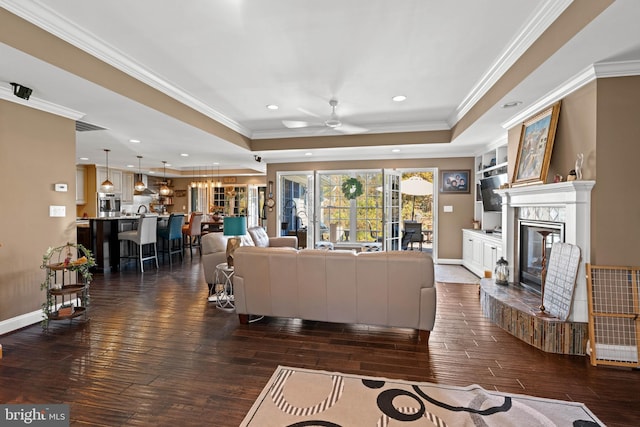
(145, 234)
(412, 233)
(171, 233)
(192, 232)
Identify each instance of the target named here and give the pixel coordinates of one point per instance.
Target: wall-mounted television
(491, 202)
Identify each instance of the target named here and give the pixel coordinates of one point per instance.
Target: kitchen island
(102, 238)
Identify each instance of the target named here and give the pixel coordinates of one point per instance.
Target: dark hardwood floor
(156, 353)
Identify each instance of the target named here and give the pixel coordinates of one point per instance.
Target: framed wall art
(454, 181)
(536, 144)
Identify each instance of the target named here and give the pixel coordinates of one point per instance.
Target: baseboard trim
(19, 322)
(449, 261)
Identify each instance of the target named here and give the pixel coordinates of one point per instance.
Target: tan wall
(33, 144)
(450, 225)
(616, 211)
(602, 117)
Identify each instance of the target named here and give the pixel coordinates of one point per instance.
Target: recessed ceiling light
(130, 166)
(399, 98)
(272, 107)
(135, 141)
(84, 158)
(308, 154)
(216, 163)
(395, 150)
(184, 155)
(511, 104)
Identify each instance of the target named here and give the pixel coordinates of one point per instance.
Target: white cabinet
(80, 186)
(480, 251)
(490, 255)
(127, 187)
(115, 176)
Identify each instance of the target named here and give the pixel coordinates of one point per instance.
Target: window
(356, 219)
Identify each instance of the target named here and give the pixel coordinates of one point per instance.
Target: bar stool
(146, 234)
(192, 232)
(171, 233)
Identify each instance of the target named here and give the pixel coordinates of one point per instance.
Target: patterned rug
(297, 397)
(454, 274)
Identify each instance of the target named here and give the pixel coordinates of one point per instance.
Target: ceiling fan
(333, 122)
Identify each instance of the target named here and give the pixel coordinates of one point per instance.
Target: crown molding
(41, 104)
(542, 18)
(44, 17)
(589, 74)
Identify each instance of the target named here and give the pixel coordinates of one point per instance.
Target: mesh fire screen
(614, 315)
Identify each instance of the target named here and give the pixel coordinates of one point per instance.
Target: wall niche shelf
(489, 163)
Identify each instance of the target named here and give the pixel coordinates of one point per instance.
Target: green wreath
(352, 188)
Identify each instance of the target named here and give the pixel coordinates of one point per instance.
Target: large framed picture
(536, 144)
(454, 181)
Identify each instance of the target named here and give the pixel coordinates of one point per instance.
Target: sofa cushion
(259, 236)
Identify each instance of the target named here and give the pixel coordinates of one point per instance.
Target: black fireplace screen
(534, 236)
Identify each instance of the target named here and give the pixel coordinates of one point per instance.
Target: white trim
(19, 322)
(448, 261)
(50, 21)
(542, 18)
(589, 74)
(42, 105)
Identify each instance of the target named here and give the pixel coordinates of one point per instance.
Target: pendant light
(139, 185)
(164, 190)
(107, 185)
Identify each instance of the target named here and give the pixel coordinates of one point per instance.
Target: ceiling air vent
(86, 127)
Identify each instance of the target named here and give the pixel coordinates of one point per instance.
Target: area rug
(445, 273)
(296, 397)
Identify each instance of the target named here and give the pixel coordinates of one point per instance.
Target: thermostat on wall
(60, 187)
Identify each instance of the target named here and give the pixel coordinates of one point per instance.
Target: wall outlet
(447, 208)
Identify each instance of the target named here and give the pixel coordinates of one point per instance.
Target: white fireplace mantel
(575, 198)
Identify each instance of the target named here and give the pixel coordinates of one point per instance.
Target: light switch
(57, 211)
(448, 208)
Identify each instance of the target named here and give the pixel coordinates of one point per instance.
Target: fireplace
(568, 203)
(535, 241)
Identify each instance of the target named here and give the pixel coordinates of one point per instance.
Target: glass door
(392, 210)
(295, 206)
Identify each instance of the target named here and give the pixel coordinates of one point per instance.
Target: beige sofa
(214, 247)
(393, 289)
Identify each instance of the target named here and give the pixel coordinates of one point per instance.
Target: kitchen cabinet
(127, 187)
(81, 197)
(480, 251)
